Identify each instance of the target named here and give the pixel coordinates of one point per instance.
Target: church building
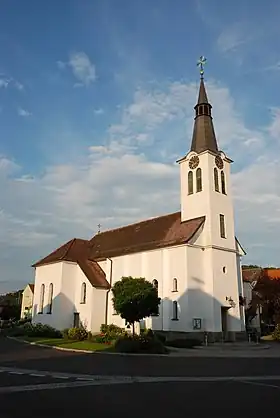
(192, 257)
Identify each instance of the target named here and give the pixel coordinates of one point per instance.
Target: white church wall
(98, 309)
(86, 309)
(199, 290)
(226, 286)
(47, 274)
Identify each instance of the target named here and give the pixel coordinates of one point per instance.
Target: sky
(96, 105)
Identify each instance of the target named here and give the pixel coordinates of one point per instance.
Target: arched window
(198, 180)
(190, 182)
(50, 298)
(175, 285)
(83, 293)
(200, 110)
(42, 295)
(175, 310)
(216, 180)
(223, 182)
(155, 284)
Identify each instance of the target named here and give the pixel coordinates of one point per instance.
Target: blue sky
(96, 104)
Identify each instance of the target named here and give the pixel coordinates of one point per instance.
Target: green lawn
(267, 338)
(76, 345)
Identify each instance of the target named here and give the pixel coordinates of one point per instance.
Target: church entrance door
(76, 322)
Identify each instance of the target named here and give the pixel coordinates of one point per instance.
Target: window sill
(174, 291)
(49, 313)
(82, 303)
(175, 319)
(114, 314)
(155, 315)
(40, 313)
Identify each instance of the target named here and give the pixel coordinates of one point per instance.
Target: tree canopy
(135, 299)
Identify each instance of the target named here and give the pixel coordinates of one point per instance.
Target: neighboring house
(192, 256)
(27, 301)
(251, 276)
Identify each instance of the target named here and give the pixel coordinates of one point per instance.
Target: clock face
(194, 161)
(219, 162)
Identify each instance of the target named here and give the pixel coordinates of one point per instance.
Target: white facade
(27, 302)
(66, 281)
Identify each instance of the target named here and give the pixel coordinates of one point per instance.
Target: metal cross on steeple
(200, 63)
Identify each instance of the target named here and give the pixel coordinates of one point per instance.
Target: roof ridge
(135, 223)
(71, 242)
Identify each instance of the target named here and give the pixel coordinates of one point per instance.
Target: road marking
(37, 375)
(16, 373)
(49, 386)
(260, 384)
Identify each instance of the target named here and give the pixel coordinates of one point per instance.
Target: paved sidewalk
(242, 349)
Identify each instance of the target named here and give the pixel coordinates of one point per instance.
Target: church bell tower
(205, 178)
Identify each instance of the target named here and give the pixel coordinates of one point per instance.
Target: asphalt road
(20, 355)
(218, 399)
(46, 382)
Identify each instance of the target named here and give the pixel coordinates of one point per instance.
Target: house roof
(254, 274)
(31, 285)
(76, 250)
(160, 232)
(150, 234)
(204, 137)
(251, 274)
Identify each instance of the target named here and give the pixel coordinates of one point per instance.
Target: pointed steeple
(204, 138)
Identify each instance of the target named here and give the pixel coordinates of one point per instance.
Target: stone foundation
(212, 337)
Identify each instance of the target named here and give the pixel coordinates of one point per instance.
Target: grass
(267, 338)
(76, 345)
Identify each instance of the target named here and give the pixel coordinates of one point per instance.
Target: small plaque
(196, 323)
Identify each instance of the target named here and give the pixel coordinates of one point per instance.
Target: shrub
(111, 328)
(276, 333)
(65, 333)
(33, 330)
(40, 330)
(161, 337)
(140, 344)
(78, 334)
(109, 333)
(184, 343)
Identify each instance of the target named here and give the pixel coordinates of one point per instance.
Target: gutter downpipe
(108, 291)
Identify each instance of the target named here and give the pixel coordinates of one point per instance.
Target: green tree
(135, 299)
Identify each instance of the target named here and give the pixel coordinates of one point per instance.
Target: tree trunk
(133, 328)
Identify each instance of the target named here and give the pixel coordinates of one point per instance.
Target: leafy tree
(10, 305)
(135, 299)
(266, 294)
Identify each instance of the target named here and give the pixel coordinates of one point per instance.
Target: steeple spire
(204, 138)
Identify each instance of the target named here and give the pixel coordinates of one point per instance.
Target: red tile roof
(76, 251)
(160, 232)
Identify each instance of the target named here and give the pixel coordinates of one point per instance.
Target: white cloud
(234, 35)
(61, 65)
(19, 86)
(118, 183)
(4, 82)
(83, 69)
(98, 111)
(23, 112)
(274, 128)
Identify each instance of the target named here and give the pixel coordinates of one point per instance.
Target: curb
(174, 353)
(73, 350)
